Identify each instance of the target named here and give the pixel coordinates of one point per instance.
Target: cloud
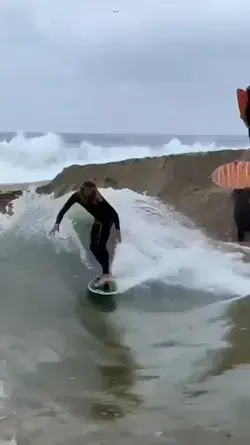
(155, 66)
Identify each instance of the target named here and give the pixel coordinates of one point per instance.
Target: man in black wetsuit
(241, 197)
(105, 216)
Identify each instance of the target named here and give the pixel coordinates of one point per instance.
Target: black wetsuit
(105, 216)
(241, 197)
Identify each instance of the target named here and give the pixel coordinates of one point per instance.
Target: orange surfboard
(234, 175)
(242, 104)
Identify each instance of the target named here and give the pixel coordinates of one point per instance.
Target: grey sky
(156, 66)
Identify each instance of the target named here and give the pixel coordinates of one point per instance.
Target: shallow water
(164, 362)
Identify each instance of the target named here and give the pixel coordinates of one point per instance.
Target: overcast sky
(168, 66)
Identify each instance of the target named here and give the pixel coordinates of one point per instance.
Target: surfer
(105, 216)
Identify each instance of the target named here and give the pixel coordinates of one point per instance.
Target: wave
(30, 159)
(156, 247)
(182, 181)
(168, 323)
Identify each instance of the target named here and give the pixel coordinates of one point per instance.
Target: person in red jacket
(105, 216)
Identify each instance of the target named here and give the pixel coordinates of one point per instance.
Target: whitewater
(161, 361)
(42, 157)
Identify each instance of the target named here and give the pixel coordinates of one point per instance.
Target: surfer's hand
(54, 229)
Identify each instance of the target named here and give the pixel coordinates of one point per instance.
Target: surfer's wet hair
(95, 195)
(89, 183)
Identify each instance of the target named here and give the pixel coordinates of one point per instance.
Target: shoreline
(11, 191)
(14, 187)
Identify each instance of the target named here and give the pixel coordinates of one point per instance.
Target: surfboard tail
(234, 175)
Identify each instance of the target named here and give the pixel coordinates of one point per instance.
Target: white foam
(40, 158)
(155, 247)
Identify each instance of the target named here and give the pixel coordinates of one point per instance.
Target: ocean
(36, 157)
(164, 362)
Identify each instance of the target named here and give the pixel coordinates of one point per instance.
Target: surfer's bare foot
(104, 279)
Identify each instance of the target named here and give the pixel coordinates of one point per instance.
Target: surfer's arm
(110, 214)
(68, 204)
(116, 222)
(115, 218)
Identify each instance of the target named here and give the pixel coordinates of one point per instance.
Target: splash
(156, 247)
(24, 159)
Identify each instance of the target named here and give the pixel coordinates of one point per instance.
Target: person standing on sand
(241, 197)
(105, 216)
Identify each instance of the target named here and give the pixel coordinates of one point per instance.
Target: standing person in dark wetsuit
(105, 216)
(241, 197)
